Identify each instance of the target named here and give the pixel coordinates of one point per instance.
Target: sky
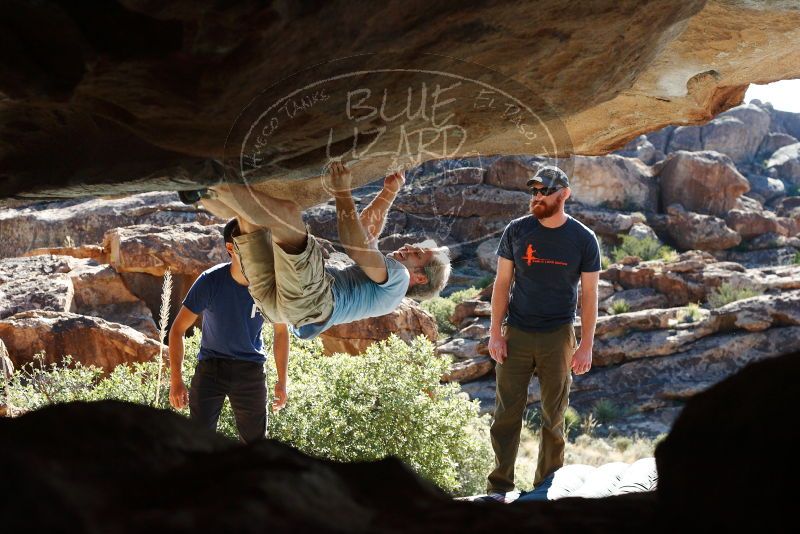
(784, 95)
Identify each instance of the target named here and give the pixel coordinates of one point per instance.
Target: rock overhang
(94, 111)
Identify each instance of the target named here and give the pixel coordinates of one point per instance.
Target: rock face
(89, 340)
(692, 231)
(703, 182)
(279, 486)
(35, 283)
(740, 416)
(85, 221)
(184, 248)
(614, 182)
(123, 113)
(65, 284)
(785, 163)
(406, 322)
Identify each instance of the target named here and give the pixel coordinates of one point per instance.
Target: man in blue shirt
(231, 358)
(285, 266)
(542, 256)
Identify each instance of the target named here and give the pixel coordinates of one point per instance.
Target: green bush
(605, 411)
(690, 314)
(465, 294)
(387, 401)
(645, 248)
(620, 306)
(442, 309)
(485, 281)
(728, 292)
(572, 421)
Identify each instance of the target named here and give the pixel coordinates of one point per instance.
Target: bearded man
(544, 254)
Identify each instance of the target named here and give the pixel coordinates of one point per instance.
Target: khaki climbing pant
(549, 355)
(287, 288)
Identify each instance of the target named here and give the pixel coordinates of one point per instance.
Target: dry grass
(585, 449)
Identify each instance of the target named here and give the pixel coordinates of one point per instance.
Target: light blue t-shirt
(356, 296)
(231, 321)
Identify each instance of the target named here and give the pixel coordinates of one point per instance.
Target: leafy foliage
(620, 306)
(728, 292)
(645, 248)
(388, 401)
(442, 309)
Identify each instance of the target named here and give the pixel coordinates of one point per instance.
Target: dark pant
(549, 355)
(243, 382)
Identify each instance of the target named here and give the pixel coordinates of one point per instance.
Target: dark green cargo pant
(549, 354)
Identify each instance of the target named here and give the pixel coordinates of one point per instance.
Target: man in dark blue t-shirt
(231, 358)
(544, 254)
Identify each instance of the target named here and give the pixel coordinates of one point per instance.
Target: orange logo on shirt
(530, 257)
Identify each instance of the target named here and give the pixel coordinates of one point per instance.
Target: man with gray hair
(285, 267)
(542, 257)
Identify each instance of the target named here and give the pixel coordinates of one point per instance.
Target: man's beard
(541, 210)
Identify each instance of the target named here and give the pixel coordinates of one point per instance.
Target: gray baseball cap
(549, 177)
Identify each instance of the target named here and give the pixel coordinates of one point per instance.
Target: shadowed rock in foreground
(115, 467)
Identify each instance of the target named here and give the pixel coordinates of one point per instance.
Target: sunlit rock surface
(140, 97)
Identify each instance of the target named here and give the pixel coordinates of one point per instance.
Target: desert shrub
(690, 314)
(645, 248)
(442, 309)
(386, 402)
(622, 443)
(728, 292)
(620, 306)
(796, 259)
(572, 420)
(485, 281)
(465, 294)
(605, 411)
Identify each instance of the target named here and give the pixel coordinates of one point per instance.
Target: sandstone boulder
(462, 347)
(785, 164)
(766, 257)
(772, 142)
(513, 172)
(463, 201)
(765, 188)
(187, 248)
(737, 133)
(751, 224)
(602, 221)
(642, 148)
(89, 340)
(614, 182)
(406, 322)
(471, 308)
(85, 221)
(642, 231)
(695, 231)
(92, 252)
(469, 370)
(636, 299)
(487, 258)
(703, 182)
(100, 291)
(35, 283)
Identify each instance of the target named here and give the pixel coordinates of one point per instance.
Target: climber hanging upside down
(285, 268)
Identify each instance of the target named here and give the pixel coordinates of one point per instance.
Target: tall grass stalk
(163, 319)
(6, 369)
